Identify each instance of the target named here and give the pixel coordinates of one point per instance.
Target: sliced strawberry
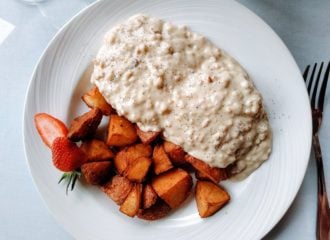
(49, 128)
(67, 156)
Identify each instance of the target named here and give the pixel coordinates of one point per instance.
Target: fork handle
(323, 212)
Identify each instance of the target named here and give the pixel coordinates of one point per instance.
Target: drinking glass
(58, 12)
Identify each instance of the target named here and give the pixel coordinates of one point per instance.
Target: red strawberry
(67, 156)
(49, 128)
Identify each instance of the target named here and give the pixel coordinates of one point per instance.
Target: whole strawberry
(67, 156)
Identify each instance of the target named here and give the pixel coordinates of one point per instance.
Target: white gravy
(167, 78)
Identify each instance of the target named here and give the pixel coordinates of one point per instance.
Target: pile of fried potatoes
(145, 175)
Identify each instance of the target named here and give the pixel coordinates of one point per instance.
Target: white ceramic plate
(257, 202)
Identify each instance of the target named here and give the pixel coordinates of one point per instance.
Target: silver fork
(314, 86)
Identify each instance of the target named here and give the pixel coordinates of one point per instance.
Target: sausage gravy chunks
(167, 78)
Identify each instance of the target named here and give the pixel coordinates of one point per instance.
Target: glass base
(33, 2)
(58, 12)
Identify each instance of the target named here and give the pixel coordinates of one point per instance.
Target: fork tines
(313, 86)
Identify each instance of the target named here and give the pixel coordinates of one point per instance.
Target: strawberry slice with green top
(49, 128)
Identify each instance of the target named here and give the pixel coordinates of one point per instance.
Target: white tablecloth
(304, 25)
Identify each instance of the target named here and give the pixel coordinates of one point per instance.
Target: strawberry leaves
(70, 178)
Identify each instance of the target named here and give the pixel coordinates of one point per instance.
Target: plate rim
(81, 12)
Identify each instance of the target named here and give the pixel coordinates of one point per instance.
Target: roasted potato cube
(85, 125)
(149, 196)
(210, 198)
(173, 186)
(137, 169)
(96, 173)
(162, 163)
(121, 162)
(212, 173)
(201, 176)
(146, 137)
(96, 150)
(130, 153)
(175, 153)
(121, 132)
(132, 203)
(117, 188)
(94, 99)
(159, 210)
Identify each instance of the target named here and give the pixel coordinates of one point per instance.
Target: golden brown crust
(149, 196)
(85, 125)
(210, 198)
(132, 203)
(173, 186)
(161, 161)
(121, 132)
(157, 211)
(205, 171)
(96, 173)
(175, 152)
(127, 154)
(117, 188)
(96, 150)
(137, 169)
(94, 99)
(146, 137)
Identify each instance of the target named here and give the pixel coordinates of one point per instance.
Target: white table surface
(304, 25)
